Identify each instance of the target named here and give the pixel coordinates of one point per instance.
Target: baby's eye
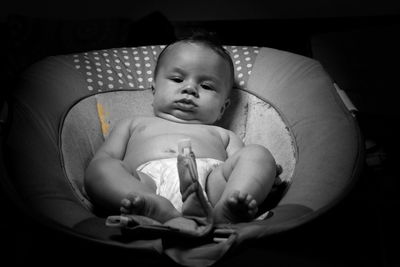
(207, 86)
(176, 79)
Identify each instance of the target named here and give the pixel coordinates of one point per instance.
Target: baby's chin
(178, 118)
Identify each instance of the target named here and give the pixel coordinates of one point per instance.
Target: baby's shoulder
(224, 133)
(132, 122)
(231, 140)
(221, 130)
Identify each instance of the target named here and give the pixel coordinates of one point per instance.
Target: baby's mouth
(186, 104)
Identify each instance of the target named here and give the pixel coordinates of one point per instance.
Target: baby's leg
(241, 183)
(149, 205)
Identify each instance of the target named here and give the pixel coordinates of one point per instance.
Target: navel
(170, 150)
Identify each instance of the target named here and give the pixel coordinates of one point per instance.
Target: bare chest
(159, 139)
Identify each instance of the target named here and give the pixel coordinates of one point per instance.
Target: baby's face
(192, 84)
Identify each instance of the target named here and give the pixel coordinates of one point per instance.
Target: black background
(357, 45)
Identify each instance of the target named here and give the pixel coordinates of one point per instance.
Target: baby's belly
(166, 146)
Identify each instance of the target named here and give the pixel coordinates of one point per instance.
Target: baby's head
(206, 40)
(192, 81)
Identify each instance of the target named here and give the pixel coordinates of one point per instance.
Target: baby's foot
(152, 206)
(238, 207)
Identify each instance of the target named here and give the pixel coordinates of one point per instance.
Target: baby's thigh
(215, 184)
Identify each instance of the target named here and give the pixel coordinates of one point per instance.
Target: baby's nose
(190, 89)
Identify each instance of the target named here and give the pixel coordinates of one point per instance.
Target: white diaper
(164, 173)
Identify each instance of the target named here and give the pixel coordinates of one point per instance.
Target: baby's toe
(232, 201)
(249, 199)
(236, 195)
(126, 206)
(125, 203)
(124, 210)
(253, 204)
(252, 212)
(234, 198)
(242, 197)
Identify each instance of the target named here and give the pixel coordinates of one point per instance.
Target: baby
(135, 169)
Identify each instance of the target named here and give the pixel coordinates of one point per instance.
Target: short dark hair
(208, 39)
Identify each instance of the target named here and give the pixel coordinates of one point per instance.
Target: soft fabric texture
(65, 103)
(326, 135)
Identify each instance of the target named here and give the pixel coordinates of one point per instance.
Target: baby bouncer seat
(66, 105)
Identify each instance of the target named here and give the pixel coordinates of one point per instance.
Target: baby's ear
(224, 107)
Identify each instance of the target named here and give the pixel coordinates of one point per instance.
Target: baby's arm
(107, 181)
(234, 143)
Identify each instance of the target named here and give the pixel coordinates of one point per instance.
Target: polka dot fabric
(243, 58)
(132, 68)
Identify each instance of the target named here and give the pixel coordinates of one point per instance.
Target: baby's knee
(258, 153)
